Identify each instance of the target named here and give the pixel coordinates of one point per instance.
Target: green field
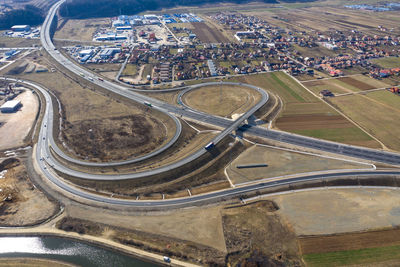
(350, 257)
(388, 62)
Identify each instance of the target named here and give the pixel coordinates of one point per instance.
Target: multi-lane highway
(48, 163)
(346, 150)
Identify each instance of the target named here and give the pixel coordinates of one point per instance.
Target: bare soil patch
(21, 204)
(16, 126)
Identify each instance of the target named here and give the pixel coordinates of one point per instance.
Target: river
(66, 250)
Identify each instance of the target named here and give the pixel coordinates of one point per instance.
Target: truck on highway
(209, 146)
(83, 75)
(148, 104)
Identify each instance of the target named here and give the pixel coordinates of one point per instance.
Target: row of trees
(106, 8)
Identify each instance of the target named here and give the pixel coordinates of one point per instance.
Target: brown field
(327, 15)
(349, 241)
(26, 204)
(345, 85)
(17, 42)
(256, 233)
(311, 122)
(222, 100)
(115, 138)
(208, 34)
(82, 30)
(356, 83)
(336, 86)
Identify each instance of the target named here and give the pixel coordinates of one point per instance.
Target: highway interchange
(47, 162)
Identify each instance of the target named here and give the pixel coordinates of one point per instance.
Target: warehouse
(86, 52)
(10, 106)
(109, 52)
(21, 28)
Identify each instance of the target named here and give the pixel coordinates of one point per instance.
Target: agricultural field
(222, 100)
(380, 256)
(318, 51)
(344, 85)
(387, 62)
(324, 16)
(375, 114)
(208, 32)
(280, 163)
(305, 114)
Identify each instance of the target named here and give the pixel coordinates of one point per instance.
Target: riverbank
(32, 262)
(48, 230)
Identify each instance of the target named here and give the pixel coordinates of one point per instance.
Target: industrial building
(109, 52)
(10, 106)
(86, 52)
(21, 28)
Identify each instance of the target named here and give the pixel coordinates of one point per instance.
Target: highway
(346, 150)
(47, 163)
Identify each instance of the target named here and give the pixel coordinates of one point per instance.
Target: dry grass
(31, 262)
(84, 104)
(82, 30)
(222, 100)
(281, 163)
(17, 42)
(26, 205)
(383, 125)
(254, 233)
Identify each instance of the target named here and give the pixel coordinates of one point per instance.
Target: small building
(10, 106)
(326, 93)
(124, 28)
(21, 28)
(211, 67)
